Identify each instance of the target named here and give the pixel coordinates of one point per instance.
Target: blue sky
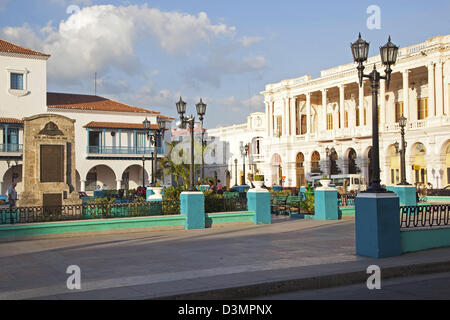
(147, 53)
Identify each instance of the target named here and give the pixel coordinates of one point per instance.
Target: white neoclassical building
(111, 142)
(304, 116)
(226, 146)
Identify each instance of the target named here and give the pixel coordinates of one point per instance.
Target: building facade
(305, 116)
(111, 144)
(224, 156)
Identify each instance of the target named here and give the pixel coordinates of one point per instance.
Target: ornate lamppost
(185, 121)
(389, 52)
(402, 122)
(201, 111)
(235, 175)
(244, 152)
(154, 135)
(330, 153)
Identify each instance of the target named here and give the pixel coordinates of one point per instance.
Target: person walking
(12, 199)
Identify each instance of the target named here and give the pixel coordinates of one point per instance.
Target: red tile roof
(116, 125)
(10, 120)
(88, 102)
(9, 47)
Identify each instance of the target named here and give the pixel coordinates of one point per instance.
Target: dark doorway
(94, 142)
(352, 162)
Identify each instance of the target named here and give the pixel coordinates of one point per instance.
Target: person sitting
(219, 187)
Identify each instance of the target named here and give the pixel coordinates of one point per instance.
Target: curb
(313, 283)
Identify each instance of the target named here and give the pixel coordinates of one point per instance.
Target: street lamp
(181, 109)
(389, 52)
(244, 152)
(153, 136)
(201, 111)
(236, 169)
(330, 153)
(402, 121)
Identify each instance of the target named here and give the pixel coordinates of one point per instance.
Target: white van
(356, 182)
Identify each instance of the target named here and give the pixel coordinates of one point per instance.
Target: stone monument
(49, 162)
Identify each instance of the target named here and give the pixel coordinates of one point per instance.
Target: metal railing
(123, 150)
(218, 205)
(425, 216)
(346, 200)
(12, 148)
(87, 212)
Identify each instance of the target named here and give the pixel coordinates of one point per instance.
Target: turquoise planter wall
(406, 194)
(326, 205)
(36, 229)
(377, 224)
(192, 205)
(416, 240)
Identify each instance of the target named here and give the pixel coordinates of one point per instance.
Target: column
(439, 90)
(285, 117)
(308, 112)
(294, 116)
(118, 184)
(83, 185)
(271, 106)
(341, 105)
(2, 131)
(382, 102)
(6, 138)
(268, 116)
(192, 205)
(361, 105)
(258, 201)
(406, 94)
(324, 109)
(432, 111)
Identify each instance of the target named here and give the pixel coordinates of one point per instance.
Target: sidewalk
(237, 262)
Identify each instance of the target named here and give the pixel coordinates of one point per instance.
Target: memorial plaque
(52, 203)
(52, 163)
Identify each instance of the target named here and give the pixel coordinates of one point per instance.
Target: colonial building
(110, 140)
(305, 116)
(224, 157)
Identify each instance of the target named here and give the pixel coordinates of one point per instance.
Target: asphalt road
(426, 287)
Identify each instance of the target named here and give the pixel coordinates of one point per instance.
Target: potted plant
(258, 181)
(157, 190)
(325, 182)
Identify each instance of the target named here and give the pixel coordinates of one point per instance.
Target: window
(329, 121)
(346, 119)
(279, 131)
(365, 116)
(357, 116)
(16, 81)
(304, 124)
(422, 108)
(398, 110)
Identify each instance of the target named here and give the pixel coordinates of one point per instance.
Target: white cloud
(101, 37)
(249, 41)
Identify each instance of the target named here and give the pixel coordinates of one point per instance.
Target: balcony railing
(123, 150)
(11, 148)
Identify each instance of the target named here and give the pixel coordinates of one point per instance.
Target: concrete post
(377, 223)
(192, 205)
(258, 200)
(326, 204)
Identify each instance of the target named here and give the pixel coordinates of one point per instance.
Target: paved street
(158, 264)
(434, 286)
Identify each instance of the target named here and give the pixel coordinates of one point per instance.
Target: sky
(149, 53)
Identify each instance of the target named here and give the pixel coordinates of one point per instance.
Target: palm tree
(177, 170)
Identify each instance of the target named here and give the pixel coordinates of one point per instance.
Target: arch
(447, 164)
(132, 177)
(315, 162)
(418, 157)
(393, 158)
(351, 157)
(300, 170)
(100, 176)
(77, 181)
(277, 169)
(13, 174)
